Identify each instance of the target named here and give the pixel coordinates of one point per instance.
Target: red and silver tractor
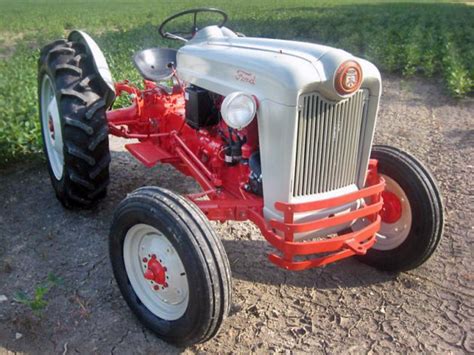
(276, 132)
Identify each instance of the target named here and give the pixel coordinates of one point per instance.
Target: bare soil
(8, 41)
(345, 307)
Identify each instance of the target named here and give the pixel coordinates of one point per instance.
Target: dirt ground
(345, 307)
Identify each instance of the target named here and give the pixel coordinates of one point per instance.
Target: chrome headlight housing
(238, 109)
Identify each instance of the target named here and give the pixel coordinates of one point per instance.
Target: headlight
(238, 109)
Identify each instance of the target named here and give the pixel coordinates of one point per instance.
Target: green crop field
(410, 38)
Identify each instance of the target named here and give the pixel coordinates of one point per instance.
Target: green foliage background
(410, 38)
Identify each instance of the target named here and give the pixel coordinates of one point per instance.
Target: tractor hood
(278, 70)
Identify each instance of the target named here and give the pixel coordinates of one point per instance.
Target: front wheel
(170, 266)
(412, 214)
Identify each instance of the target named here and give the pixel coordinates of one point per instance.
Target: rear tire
(78, 160)
(407, 249)
(156, 223)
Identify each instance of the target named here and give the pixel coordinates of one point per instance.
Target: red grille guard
(280, 234)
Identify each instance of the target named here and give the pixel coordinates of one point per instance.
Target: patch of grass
(38, 302)
(411, 38)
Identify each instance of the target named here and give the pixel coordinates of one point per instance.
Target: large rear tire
(170, 266)
(412, 215)
(74, 126)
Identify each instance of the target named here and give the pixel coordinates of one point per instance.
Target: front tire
(170, 266)
(412, 215)
(73, 123)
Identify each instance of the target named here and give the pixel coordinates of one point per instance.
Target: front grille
(327, 148)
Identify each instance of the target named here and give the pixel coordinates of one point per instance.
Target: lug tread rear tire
(80, 96)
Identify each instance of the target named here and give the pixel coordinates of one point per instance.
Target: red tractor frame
(156, 119)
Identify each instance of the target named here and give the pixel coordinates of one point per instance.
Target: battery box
(200, 109)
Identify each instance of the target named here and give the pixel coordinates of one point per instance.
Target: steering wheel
(188, 35)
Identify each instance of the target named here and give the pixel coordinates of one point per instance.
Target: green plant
(458, 79)
(37, 302)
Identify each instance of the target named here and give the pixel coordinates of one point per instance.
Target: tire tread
(414, 169)
(80, 96)
(211, 251)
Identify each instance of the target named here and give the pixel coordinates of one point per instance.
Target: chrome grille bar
(327, 148)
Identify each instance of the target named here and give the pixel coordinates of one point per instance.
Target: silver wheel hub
(156, 272)
(51, 123)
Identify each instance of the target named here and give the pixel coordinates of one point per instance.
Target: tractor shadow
(249, 262)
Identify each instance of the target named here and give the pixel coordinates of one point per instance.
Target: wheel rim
(156, 272)
(392, 235)
(51, 123)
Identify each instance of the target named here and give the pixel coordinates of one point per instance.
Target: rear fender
(99, 62)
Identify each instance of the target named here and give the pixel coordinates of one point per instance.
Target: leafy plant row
(425, 39)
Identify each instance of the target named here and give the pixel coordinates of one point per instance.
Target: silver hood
(276, 70)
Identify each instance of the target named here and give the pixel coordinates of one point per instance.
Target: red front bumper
(320, 252)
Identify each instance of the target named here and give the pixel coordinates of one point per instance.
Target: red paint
(156, 119)
(280, 234)
(392, 207)
(147, 153)
(51, 127)
(155, 271)
(149, 275)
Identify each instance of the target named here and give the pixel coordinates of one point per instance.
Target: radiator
(328, 143)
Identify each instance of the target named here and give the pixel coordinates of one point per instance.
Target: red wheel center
(155, 271)
(392, 207)
(51, 127)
